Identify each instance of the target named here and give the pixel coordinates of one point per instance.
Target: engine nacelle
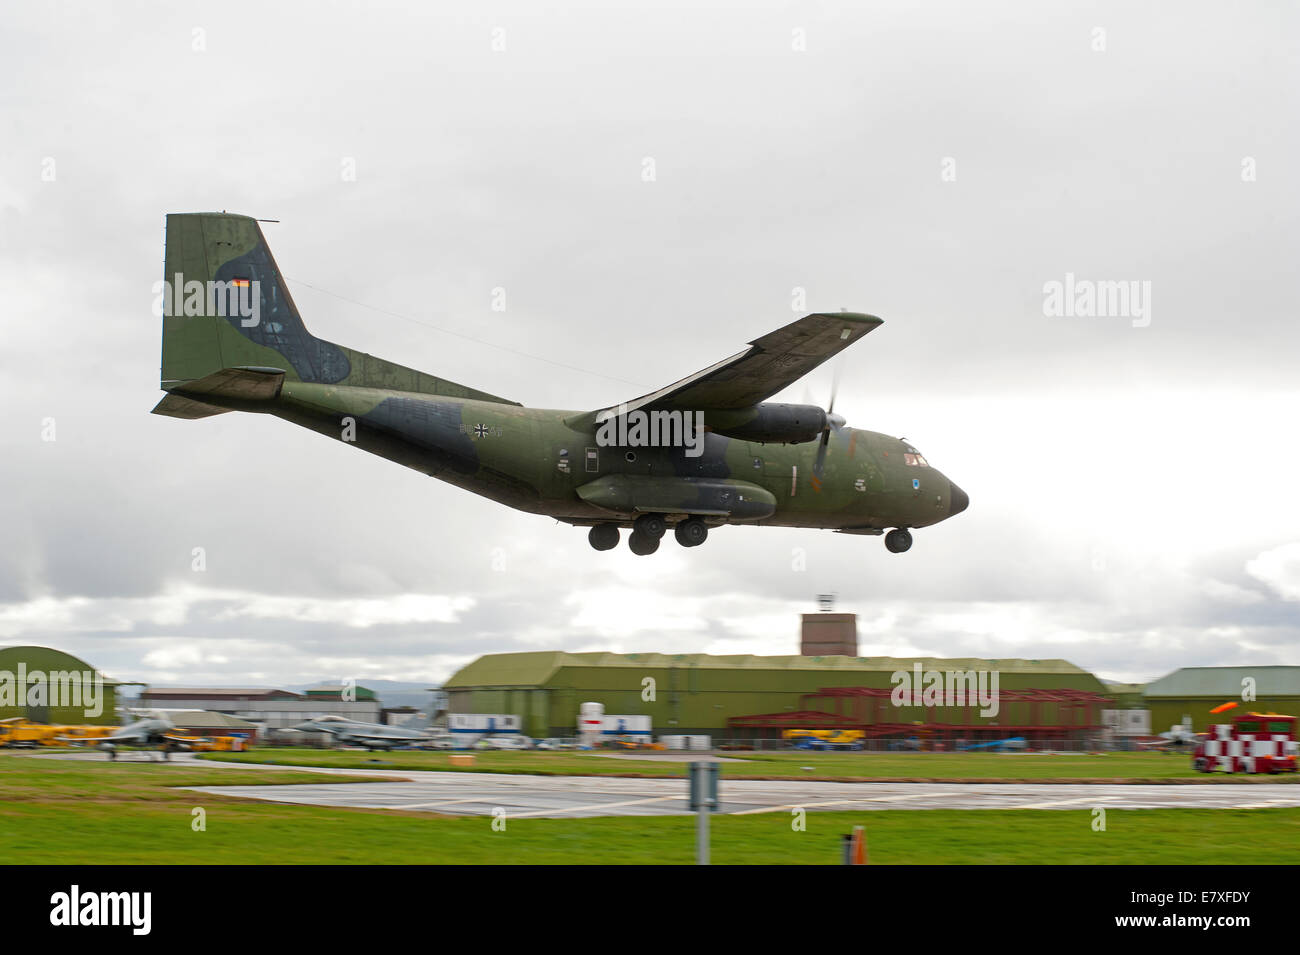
(768, 423)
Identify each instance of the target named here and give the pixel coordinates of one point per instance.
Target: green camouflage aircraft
(706, 451)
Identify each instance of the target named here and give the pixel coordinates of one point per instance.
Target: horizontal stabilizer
(246, 382)
(243, 384)
(174, 406)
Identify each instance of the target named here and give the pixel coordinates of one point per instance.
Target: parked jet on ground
(706, 451)
(1178, 738)
(149, 733)
(370, 735)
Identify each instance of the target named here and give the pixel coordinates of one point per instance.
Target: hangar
(45, 685)
(699, 693)
(1193, 691)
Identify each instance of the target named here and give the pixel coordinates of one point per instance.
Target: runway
(571, 797)
(575, 797)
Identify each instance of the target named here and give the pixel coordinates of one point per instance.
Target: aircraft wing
(772, 362)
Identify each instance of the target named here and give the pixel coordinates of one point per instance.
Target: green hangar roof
(45, 659)
(535, 669)
(1225, 682)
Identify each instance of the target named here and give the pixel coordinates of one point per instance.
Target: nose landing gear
(898, 540)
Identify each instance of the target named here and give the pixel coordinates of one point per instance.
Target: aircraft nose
(958, 500)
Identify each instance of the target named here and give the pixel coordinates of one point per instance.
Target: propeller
(833, 422)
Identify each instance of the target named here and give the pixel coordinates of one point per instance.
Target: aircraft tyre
(691, 533)
(642, 545)
(898, 540)
(603, 536)
(650, 525)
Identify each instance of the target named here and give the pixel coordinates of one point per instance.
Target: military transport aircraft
(706, 451)
(355, 733)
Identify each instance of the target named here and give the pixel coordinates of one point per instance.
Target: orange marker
(1222, 707)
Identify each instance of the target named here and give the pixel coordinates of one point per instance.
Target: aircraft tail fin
(226, 307)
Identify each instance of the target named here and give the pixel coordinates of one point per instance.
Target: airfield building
(1193, 691)
(269, 708)
(747, 697)
(45, 686)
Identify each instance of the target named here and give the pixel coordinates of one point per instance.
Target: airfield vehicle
(1010, 744)
(19, 732)
(215, 744)
(632, 744)
(825, 739)
(1251, 743)
(504, 742)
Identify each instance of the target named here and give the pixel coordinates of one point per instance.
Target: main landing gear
(647, 531)
(898, 540)
(691, 533)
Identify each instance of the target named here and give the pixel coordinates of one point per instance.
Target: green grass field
(79, 812)
(884, 767)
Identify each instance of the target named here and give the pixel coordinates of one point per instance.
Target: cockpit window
(915, 460)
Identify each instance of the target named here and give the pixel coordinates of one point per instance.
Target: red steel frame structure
(867, 709)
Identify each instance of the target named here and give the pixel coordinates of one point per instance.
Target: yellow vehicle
(21, 733)
(67, 734)
(824, 739)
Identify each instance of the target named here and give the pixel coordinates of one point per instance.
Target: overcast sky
(1134, 505)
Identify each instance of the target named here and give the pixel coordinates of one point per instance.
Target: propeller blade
(821, 453)
(835, 385)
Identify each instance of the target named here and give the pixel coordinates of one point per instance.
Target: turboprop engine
(772, 422)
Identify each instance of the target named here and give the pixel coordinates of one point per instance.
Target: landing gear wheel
(1201, 764)
(650, 525)
(642, 545)
(898, 540)
(691, 533)
(603, 536)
